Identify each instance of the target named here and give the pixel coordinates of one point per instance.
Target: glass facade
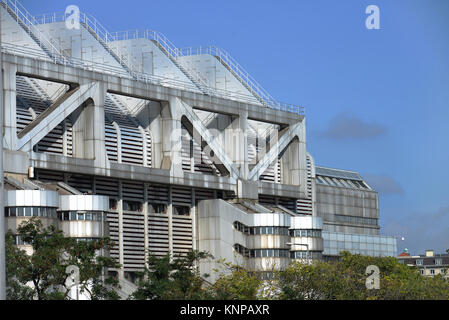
(377, 246)
(48, 212)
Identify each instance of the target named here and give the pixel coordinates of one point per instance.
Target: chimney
(429, 253)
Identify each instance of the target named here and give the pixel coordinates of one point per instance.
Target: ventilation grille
(182, 235)
(273, 172)
(181, 196)
(158, 241)
(32, 99)
(133, 241)
(304, 206)
(135, 143)
(158, 194)
(192, 155)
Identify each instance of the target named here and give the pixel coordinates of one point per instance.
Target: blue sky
(377, 101)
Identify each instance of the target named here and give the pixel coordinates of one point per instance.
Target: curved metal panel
(84, 203)
(31, 198)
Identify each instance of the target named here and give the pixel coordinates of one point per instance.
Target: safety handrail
(254, 87)
(89, 65)
(30, 22)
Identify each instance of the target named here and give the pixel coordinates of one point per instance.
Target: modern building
(166, 150)
(429, 264)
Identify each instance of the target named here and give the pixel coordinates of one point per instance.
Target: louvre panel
(158, 242)
(47, 176)
(30, 95)
(191, 149)
(132, 191)
(131, 139)
(107, 187)
(82, 183)
(182, 234)
(304, 206)
(52, 142)
(203, 194)
(181, 196)
(69, 140)
(273, 172)
(112, 218)
(149, 149)
(110, 138)
(186, 150)
(24, 116)
(133, 241)
(288, 203)
(158, 193)
(132, 145)
(268, 200)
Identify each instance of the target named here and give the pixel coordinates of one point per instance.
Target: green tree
(346, 279)
(41, 274)
(235, 284)
(179, 279)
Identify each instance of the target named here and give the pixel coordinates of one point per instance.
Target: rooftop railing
(258, 93)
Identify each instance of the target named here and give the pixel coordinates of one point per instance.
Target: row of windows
(432, 271)
(80, 216)
(272, 253)
(260, 230)
(353, 219)
(276, 253)
(306, 255)
(152, 208)
(30, 212)
(310, 233)
(437, 262)
(261, 253)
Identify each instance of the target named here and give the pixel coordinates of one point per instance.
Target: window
(421, 271)
(272, 253)
(158, 208)
(132, 206)
(419, 262)
(113, 204)
(181, 210)
(432, 271)
(28, 211)
(438, 262)
(311, 233)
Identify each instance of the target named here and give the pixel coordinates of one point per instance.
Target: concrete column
(9, 106)
(121, 272)
(171, 136)
(294, 162)
(89, 129)
(78, 133)
(236, 143)
(95, 128)
(155, 126)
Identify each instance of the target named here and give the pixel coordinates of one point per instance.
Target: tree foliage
(41, 273)
(173, 279)
(346, 279)
(235, 284)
